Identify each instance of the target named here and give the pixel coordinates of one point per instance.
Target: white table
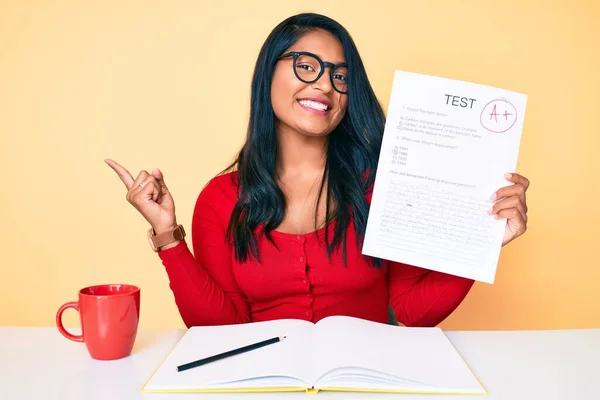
(38, 363)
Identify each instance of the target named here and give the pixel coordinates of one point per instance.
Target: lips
(315, 103)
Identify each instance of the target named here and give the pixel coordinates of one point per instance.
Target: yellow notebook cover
(338, 353)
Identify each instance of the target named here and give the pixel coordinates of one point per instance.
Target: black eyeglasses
(309, 68)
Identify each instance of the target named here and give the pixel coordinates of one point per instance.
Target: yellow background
(166, 84)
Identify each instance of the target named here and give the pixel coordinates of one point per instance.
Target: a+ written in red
(494, 114)
(498, 116)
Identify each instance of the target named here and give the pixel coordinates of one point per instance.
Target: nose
(324, 82)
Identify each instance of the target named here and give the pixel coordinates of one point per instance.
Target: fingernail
(490, 211)
(493, 198)
(508, 176)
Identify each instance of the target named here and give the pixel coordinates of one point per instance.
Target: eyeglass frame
(323, 64)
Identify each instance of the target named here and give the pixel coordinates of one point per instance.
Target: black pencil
(229, 353)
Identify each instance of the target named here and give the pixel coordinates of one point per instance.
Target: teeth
(314, 104)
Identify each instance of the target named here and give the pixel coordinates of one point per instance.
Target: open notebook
(337, 353)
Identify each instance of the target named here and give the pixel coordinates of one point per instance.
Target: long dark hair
(352, 153)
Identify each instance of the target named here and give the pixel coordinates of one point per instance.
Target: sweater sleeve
(203, 284)
(421, 297)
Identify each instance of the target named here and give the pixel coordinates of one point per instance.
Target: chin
(315, 131)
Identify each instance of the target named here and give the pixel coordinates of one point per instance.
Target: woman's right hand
(150, 196)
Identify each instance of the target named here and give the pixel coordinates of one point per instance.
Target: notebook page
(281, 364)
(446, 147)
(421, 358)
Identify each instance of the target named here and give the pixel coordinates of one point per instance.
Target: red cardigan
(297, 280)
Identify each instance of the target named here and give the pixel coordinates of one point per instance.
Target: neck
(299, 154)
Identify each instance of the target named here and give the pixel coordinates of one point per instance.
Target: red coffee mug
(109, 316)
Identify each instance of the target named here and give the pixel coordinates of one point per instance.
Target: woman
(280, 237)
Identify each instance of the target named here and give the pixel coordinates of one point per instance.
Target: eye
(305, 67)
(339, 77)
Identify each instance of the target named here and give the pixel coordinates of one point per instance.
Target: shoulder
(219, 193)
(224, 185)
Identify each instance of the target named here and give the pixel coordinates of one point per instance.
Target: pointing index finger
(122, 172)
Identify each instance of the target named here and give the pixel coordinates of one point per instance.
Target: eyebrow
(320, 56)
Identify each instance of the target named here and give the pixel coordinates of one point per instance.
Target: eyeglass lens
(308, 69)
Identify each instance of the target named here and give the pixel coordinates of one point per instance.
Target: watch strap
(165, 238)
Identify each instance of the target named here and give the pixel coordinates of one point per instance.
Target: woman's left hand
(511, 204)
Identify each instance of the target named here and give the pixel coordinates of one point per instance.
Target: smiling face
(311, 109)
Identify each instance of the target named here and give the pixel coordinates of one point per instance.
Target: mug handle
(59, 324)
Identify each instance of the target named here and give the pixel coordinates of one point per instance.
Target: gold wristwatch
(165, 238)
